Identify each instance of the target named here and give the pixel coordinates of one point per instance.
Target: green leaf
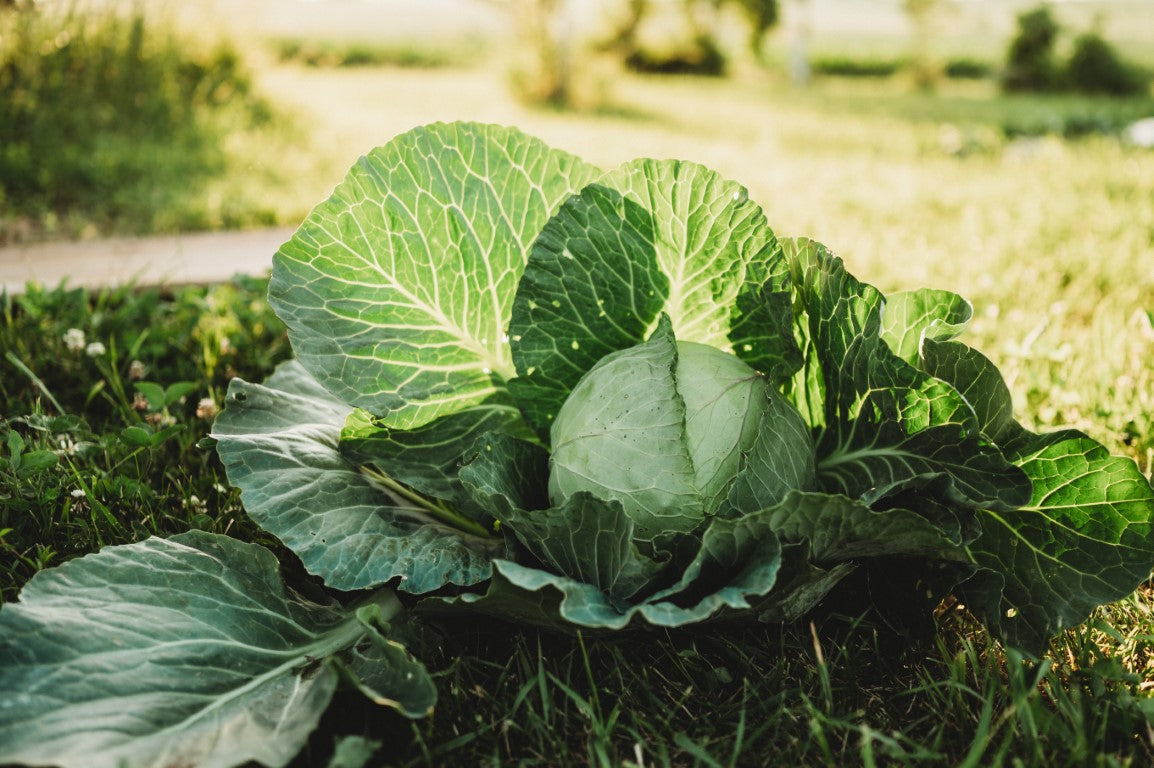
(911, 315)
(762, 332)
(36, 461)
(278, 443)
(1084, 539)
(711, 240)
(838, 529)
(588, 540)
(649, 237)
(428, 458)
(185, 651)
(15, 449)
(153, 393)
(137, 436)
(353, 752)
(505, 474)
(592, 286)
(397, 291)
(881, 423)
(173, 393)
(383, 669)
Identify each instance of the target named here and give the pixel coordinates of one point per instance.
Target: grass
(360, 53)
(1049, 237)
(121, 123)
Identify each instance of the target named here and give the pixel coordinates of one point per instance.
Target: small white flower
(195, 504)
(67, 446)
(78, 493)
(137, 370)
(74, 339)
(95, 349)
(206, 408)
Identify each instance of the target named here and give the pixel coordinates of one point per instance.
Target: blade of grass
(12, 358)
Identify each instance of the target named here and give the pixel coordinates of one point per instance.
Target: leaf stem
(436, 509)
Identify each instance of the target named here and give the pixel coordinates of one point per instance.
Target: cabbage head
(665, 440)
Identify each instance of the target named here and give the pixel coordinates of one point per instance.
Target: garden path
(145, 261)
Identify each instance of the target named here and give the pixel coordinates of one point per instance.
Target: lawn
(1050, 238)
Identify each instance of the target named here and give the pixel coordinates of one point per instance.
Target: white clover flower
(95, 349)
(206, 408)
(195, 504)
(78, 493)
(74, 339)
(137, 370)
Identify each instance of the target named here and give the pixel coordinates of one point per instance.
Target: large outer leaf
(739, 573)
(398, 289)
(278, 442)
(838, 529)
(1084, 539)
(185, 651)
(882, 424)
(649, 237)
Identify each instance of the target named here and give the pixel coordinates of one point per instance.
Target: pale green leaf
(278, 443)
(398, 289)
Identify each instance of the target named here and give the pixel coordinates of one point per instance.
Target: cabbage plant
(529, 389)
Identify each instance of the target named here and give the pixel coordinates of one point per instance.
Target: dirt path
(169, 260)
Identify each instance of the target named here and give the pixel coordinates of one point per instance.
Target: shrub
(1095, 67)
(968, 69)
(1030, 62)
(840, 65)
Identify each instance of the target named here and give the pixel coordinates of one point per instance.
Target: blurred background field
(900, 148)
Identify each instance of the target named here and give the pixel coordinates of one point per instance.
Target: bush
(968, 69)
(106, 116)
(1095, 67)
(1030, 62)
(847, 66)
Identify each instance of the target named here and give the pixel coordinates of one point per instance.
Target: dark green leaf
(36, 461)
(504, 474)
(153, 393)
(881, 423)
(592, 286)
(588, 540)
(185, 651)
(136, 436)
(428, 457)
(1084, 539)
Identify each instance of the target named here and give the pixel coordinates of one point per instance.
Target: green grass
(118, 461)
(122, 123)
